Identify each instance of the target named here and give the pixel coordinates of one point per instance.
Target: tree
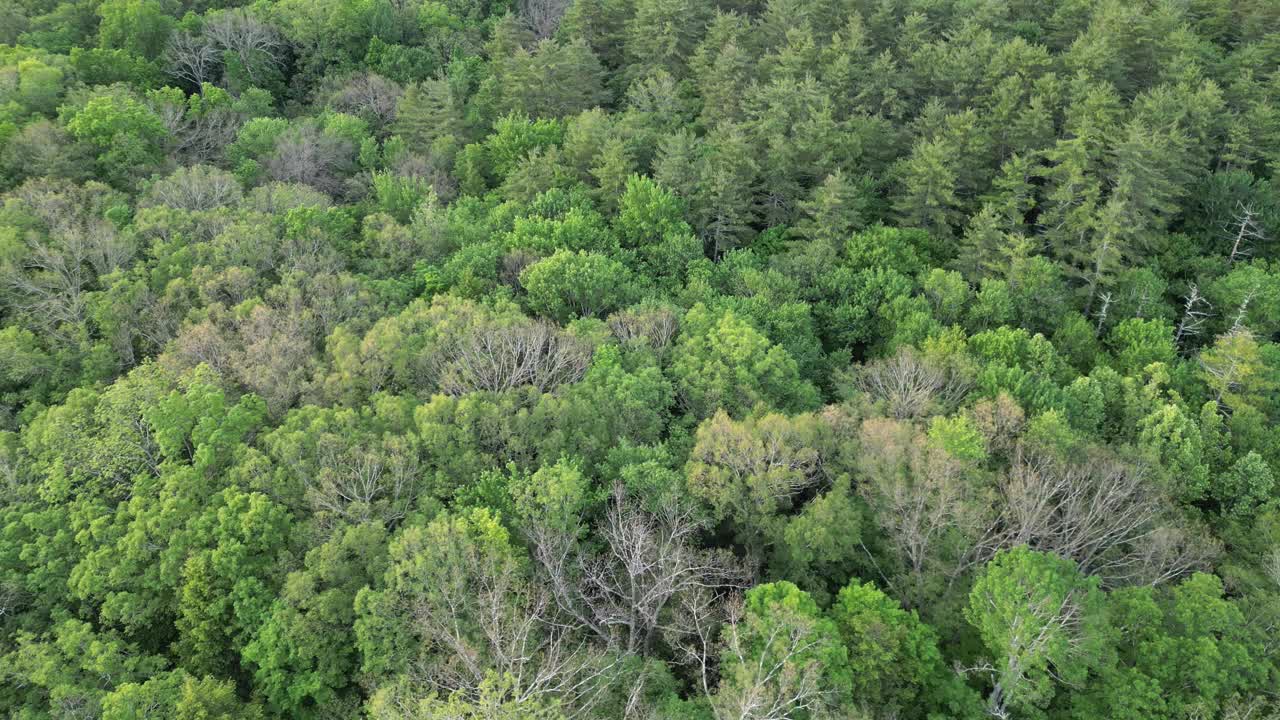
(126, 135)
(500, 357)
(894, 658)
(178, 695)
(782, 659)
(460, 611)
(1042, 622)
(752, 472)
(138, 26)
(582, 284)
(631, 593)
(725, 363)
(1233, 370)
(304, 653)
(1185, 646)
(928, 195)
(837, 208)
(427, 112)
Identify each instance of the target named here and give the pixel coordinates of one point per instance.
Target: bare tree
(254, 43)
(1244, 232)
(1195, 311)
(1102, 312)
(503, 357)
(1242, 312)
(651, 560)
(307, 155)
(360, 482)
(922, 495)
(493, 622)
(370, 96)
(195, 188)
(655, 327)
(911, 385)
(542, 17)
(1102, 512)
(193, 59)
(48, 281)
(514, 263)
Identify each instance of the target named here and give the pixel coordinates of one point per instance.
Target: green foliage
(1040, 620)
(576, 284)
(724, 362)
(571, 360)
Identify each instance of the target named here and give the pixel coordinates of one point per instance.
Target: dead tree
(503, 357)
(51, 274)
(911, 385)
(542, 17)
(655, 327)
(1244, 232)
(922, 495)
(651, 561)
(491, 621)
(253, 42)
(195, 188)
(1195, 311)
(1102, 312)
(307, 155)
(370, 96)
(1104, 513)
(1242, 312)
(195, 60)
(361, 483)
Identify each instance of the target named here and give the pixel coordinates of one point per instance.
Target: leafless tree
(193, 59)
(49, 279)
(1242, 312)
(270, 351)
(360, 483)
(370, 96)
(43, 149)
(655, 327)
(1245, 232)
(501, 357)
(1000, 420)
(252, 41)
(1104, 513)
(12, 598)
(494, 622)
(911, 385)
(1102, 312)
(195, 188)
(650, 560)
(1195, 311)
(514, 263)
(542, 17)
(307, 155)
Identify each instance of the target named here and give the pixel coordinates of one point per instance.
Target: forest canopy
(640, 359)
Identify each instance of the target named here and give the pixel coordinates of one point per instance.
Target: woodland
(640, 359)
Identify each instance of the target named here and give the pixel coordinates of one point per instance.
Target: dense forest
(640, 359)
